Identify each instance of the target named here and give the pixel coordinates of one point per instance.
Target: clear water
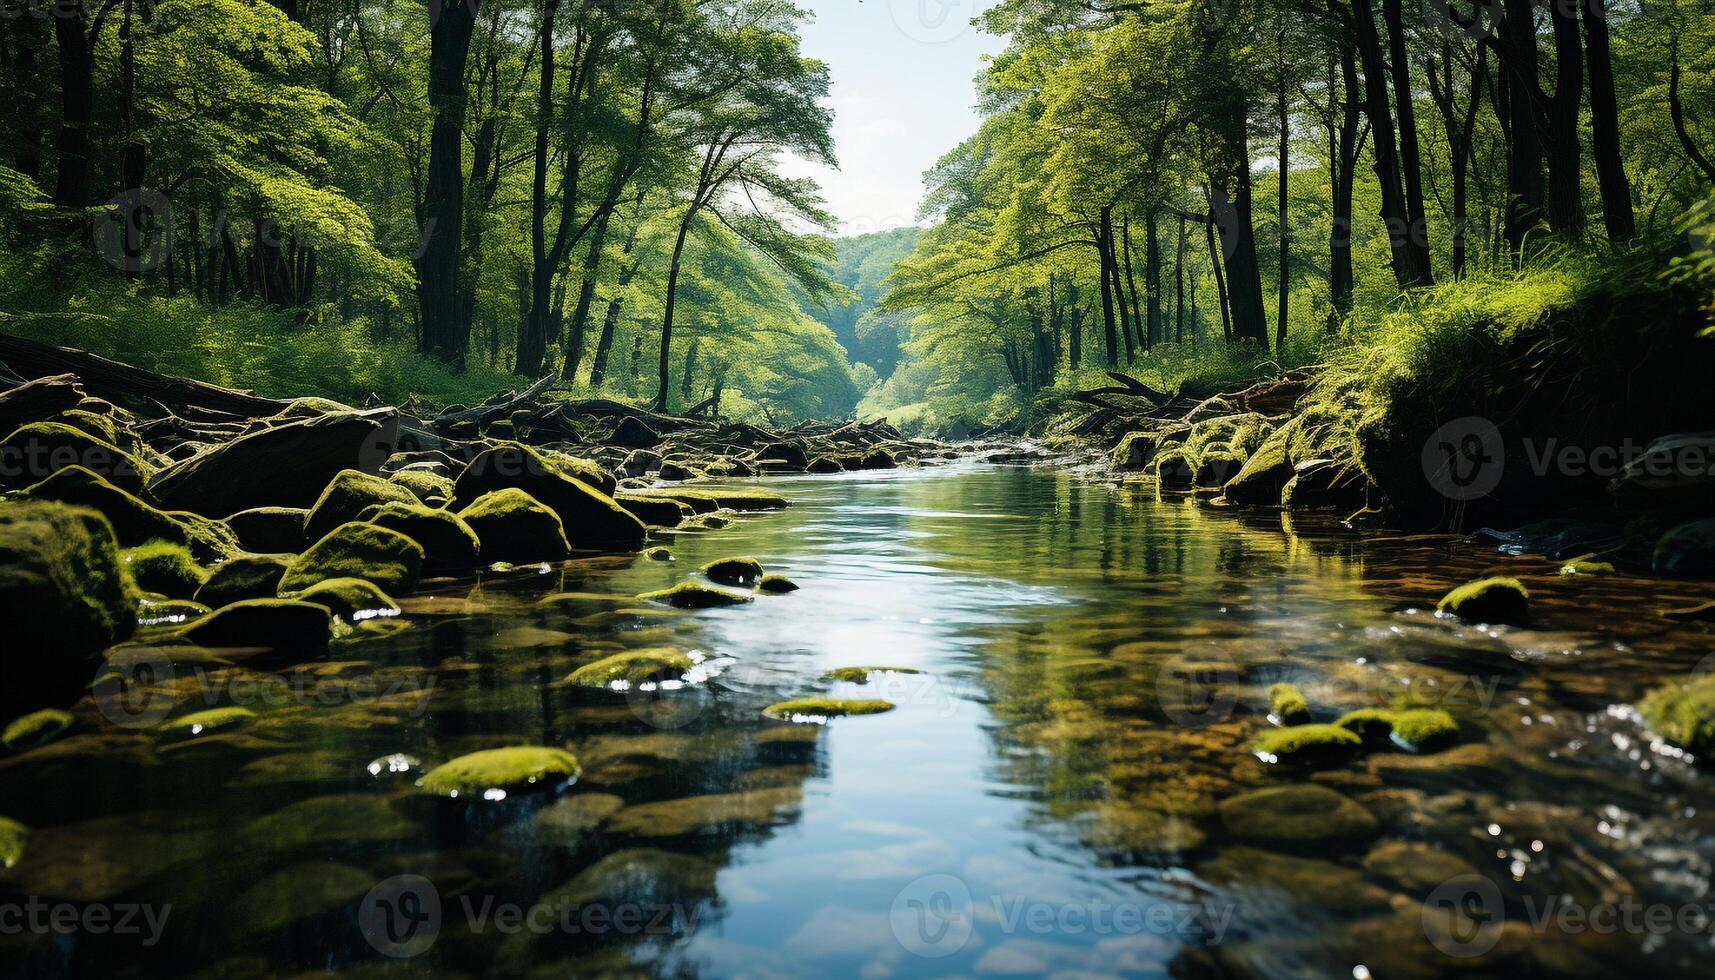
(1046, 798)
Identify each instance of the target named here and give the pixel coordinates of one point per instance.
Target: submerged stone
(244, 577)
(1306, 744)
(571, 817)
(347, 495)
(695, 595)
(350, 598)
(654, 511)
(165, 568)
(1286, 705)
(1300, 815)
(657, 553)
(860, 675)
(745, 572)
(1369, 724)
(13, 837)
(515, 527)
(776, 584)
(1414, 868)
(295, 896)
(633, 667)
(1498, 599)
(1683, 714)
(1421, 729)
(35, 729)
(497, 771)
(389, 559)
(708, 812)
(705, 500)
(205, 722)
(818, 709)
(448, 541)
(280, 624)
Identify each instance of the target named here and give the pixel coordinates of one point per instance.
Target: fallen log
(1128, 386)
(36, 400)
(117, 382)
(500, 404)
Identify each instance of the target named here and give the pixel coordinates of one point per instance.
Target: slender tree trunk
(1283, 161)
(1410, 158)
(1385, 149)
(1125, 320)
(442, 214)
(598, 367)
(1075, 343)
(1345, 159)
(1179, 285)
(1565, 170)
(77, 69)
(662, 390)
(1152, 279)
(1526, 198)
(1104, 235)
(1676, 110)
(1220, 281)
(1605, 127)
(1144, 338)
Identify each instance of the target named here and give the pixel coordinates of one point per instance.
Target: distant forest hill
(871, 337)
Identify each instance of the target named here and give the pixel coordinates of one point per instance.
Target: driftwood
(500, 404)
(38, 399)
(118, 382)
(1128, 386)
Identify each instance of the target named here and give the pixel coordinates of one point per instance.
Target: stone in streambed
(776, 584)
(591, 518)
(13, 838)
(349, 598)
(244, 577)
(860, 675)
(280, 624)
(206, 722)
(1286, 705)
(270, 530)
(134, 522)
(653, 511)
(703, 500)
(821, 709)
(509, 769)
(1312, 745)
(515, 527)
(448, 541)
(284, 466)
(1300, 815)
(1498, 599)
(632, 668)
(432, 489)
(1370, 724)
(346, 496)
(165, 568)
(35, 729)
(635, 433)
(695, 595)
(39, 449)
(1683, 714)
(387, 558)
(743, 572)
(657, 553)
(1423, 729)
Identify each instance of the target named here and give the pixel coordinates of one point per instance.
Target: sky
(902, 94)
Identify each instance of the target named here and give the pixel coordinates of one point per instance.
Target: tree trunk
(1220, 280)
(1179, 286)
(1410, 159)
(1525, 195)
(1345, 160)
(1075, 343)
(77, 69)
(1103, 236)
(1565, 172)
(1152, 279)
(666, 367)
(1605, 127)
(1144, 339)
(1283, 159)
(1385, 150)
(443, 193)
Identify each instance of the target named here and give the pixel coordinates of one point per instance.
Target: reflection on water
(1066, 786)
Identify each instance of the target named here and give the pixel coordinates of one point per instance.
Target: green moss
(705, 499)
(1498, 599)
(312, 407)
(346, 496)
(13, 838)
(448, 540)
(1421, 729)
(860, 675)
(657, 553)
(39, 449)
(1263, 476)
(244, 577)
(632, 667)
(695, 595)
(430, 488)
(134, 522)
(744, 572)
(515, 527)
(166, 568)
(351, 598)
(280, 624)
(777, 584)
(589, 517)
(35, 729)
(1309, 744)
(1369, 724)
(389, 559)
(170, 611)
(1583, 566)
(1300, 815)
(821, 708)
(1683, 714)
(1287, 705)
(476, 774)
(206, 722)
(653, 511)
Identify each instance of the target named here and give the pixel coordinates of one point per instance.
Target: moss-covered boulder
(782, 456)
(1135, 451)
(63, 598)
(429, 488)
(860, 675)
(387, 558)
(37, 450)
(270, 530)
(134, 522)
(584, 470)
(244, 577)
(1688, 549)
(877, 459)
(1286, 705)
(1586, 567)
(635, 433)
(347, 495)
(350, 598)
(590, 518)
(448, 542)
(165, 568)
(776, 584)
(1424, 729)
(695, 595)
(37, 728)
(1310, 745)
(743, 572)
(1373, 725)
(1174, 468)
(282, 466)
(821, 709)
(1325, 483)
(704, 500)
(312, 407)
(653, 511)
(1300, 815)
(1498, 599)
(166, 612)
(1683, 714)
(206, 722)
(1259, 481)
(14, 837)
(657, 553)
(276, 624)
(515, 527)
(824, 465)
(632, 668)
(482, 774)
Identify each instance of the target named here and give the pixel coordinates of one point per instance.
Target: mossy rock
(1584, 566)
(586, 471)
(1424, 729)
(448, 541)
(707, 522)
(1287, 706)
(657, 553)
(509, 769)
(165, 568)
(1135, 451)
(35, 729)
(703, 500)
(695, 595)
(165, 611)
(134, 522)
(1313, 745)
(590, 518)
(63, 597)
(244, 577)
(776, 584)
(348, 495)
(1498, 599)
(1683, 714)
(350, 598)
(387, 558)
(860, 675)
(1174, 469)
(515, 527)
(877, 459)
(279, 624)
(1263, 476)
(653, 511)
(743, 572)
(14, 837)
(270, 530)
(824, 465)
(1688, 549)
(287, 465)
(678, 471)
(104, 427)
(311, 407)
(432, 489)
(206, 722)
(1300, 815)
(38, 450)
(632, 668)
(823, 708)
(308, 896)
(1370, 724)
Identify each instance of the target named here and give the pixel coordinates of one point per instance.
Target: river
(1065, 787)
